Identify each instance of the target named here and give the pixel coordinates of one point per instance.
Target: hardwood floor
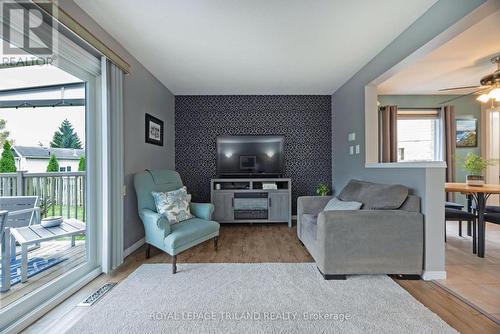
(474, 279)
(260, 243)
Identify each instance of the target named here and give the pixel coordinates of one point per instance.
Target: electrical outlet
(352, 136)
(351, 150)
(357, 149)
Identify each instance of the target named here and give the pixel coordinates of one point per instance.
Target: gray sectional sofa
(384, 237)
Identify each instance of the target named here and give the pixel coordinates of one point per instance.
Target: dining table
(480, 195)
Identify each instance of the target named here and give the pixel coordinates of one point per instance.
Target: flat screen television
(250, 156)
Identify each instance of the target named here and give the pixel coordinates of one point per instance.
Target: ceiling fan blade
(459, 97)
(457, 88)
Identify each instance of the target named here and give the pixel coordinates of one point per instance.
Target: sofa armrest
(202, 210)
(156, 227)
(350, 238)
(309, 205)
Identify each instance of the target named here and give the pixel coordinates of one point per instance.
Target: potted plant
(475, 165)
(322, 190)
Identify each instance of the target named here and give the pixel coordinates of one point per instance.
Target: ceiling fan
(490, 83)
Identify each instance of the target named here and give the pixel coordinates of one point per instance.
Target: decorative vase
(475, 180)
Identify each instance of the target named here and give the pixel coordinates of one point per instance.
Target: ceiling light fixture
(483, 98)
(492, 80)
(495, 94)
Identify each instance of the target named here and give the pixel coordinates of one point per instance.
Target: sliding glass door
(50, 137)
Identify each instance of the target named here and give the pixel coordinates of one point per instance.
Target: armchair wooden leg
(216, 243)
(148, 251)
(174, 264)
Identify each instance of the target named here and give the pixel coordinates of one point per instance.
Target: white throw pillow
(174, 205)
(335, 204)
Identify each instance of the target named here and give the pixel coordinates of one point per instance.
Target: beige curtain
(388, 140)
(449, 132)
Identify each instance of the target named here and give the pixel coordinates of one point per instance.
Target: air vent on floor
(96, 295)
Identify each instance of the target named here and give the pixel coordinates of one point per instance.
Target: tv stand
(250, 201)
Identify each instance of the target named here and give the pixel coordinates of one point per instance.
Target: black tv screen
(241, 156)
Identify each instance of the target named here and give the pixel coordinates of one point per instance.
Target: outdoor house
(35, 159)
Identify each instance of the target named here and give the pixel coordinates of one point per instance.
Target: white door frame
(30, 307)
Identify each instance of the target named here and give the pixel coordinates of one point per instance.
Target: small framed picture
(154, 130)
(467, 132)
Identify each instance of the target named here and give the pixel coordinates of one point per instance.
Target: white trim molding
(433, 275)
(134, 247)
(409, 164)
(112, 153)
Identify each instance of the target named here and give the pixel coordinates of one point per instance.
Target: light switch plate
(351, 150)
(352, 136)
(357, 149)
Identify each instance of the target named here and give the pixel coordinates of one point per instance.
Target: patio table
(35, 234)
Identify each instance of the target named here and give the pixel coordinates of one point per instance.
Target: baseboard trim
(433, 275)
(134, 247)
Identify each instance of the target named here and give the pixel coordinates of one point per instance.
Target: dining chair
(457, 206)
(460, 215)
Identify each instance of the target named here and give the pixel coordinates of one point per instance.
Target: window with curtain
(418, 135)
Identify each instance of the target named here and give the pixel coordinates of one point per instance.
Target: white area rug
(256, 298)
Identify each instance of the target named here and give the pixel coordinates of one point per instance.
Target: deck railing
(59, 193)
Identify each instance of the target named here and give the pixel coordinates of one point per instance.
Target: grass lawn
(57, 212)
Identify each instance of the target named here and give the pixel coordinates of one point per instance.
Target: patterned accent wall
(304, 121)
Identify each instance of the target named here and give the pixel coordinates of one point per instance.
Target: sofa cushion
(189, 231)
(336, 204)
(375, 196)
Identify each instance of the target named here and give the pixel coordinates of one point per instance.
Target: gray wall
(348, 102)
(465, 107)
(143, 93)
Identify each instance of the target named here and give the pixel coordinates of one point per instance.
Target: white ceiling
(461, 61)
(254, 46)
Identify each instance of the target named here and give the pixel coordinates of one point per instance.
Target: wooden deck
(53, 249)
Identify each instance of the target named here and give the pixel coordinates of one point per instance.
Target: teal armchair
(174, 238)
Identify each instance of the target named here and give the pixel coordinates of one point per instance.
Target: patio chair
(5, 250)
(23, 210)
